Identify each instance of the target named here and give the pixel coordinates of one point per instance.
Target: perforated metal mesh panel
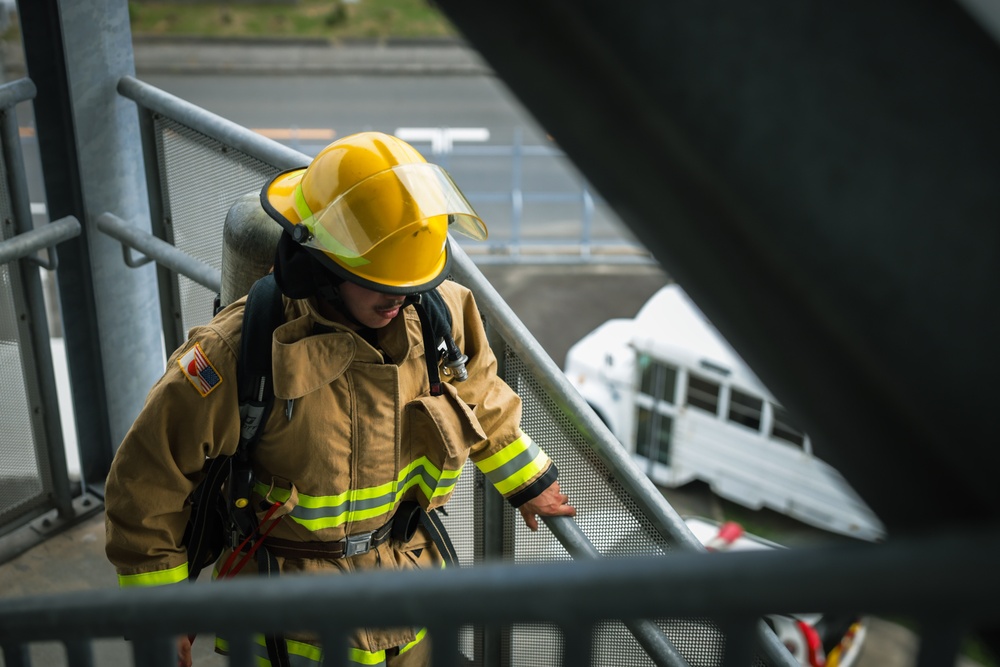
(200, 178)
(25, 482)
(605, 512)
(611, 520)
(464, 523)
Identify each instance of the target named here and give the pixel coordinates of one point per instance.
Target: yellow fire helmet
(377, 210)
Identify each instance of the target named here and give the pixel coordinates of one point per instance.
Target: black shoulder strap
(438, 313)
(263, 313)
(435, 323)
(204, 537)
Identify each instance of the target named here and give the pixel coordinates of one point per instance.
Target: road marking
(442, 138)
(293, 133)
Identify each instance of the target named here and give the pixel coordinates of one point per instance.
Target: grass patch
(318, 19)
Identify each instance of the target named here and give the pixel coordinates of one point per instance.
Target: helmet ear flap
(300, 275)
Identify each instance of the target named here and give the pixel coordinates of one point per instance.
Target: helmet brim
(414, 288)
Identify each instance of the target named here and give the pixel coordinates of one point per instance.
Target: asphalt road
(306, 96)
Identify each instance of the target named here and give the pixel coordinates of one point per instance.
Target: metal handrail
(215, 127)
(523, 343)
(24, 245)
(956, 574)
(553, 381)
(131, 237)
(657, 645)
(658, 510)
(647, 633)
(15, 92)
(270, 152)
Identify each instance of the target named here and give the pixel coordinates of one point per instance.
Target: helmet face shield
(374, 212)
(406, 199)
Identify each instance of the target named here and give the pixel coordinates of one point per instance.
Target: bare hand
(551, 502)
(184, 651)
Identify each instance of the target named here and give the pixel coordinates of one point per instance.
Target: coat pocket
(439, 430)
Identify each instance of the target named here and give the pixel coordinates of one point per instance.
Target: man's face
(373, 309)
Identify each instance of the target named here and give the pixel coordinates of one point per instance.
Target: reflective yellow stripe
(318, 512)
(158, 578)
(493, 462)
(301, 205)
(300, 653)
(366, 657)
(514, 465)
(325, 240)
(533, 469)
(420, 636)
(307, 651)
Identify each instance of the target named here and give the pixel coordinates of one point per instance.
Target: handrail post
(25, 244)
(160, 251)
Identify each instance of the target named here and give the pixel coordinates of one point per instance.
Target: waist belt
(352, 545)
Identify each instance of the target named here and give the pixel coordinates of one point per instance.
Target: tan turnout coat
(363, 434)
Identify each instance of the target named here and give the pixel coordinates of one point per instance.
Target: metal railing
(213, 146)
(629, 542)
(945, 583)
(34, 482)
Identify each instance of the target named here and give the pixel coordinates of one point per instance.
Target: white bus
(681, 400)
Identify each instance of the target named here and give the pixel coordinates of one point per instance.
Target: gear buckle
(358, 544)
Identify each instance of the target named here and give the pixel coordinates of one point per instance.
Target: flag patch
(199, 370)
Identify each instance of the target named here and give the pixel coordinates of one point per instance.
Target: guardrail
(35, 489)
(947, 583)
(25, 244)
(155, 249)
(557, 417)
(222, 148)
(582, 248)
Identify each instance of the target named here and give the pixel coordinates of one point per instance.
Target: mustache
(395, 303)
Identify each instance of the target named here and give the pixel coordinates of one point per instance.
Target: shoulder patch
(199, 370)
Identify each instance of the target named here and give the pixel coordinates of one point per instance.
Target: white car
(815, 640)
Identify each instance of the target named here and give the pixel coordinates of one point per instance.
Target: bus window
(782, 429)
(703, 394)
(658, 380)
(745, 409)
(655, 446)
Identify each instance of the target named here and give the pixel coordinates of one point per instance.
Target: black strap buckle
(358, 544)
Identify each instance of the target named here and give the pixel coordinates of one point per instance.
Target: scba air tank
(250, 237)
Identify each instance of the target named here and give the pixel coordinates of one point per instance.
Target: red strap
(225, 571)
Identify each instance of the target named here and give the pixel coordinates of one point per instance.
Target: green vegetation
(318, 19)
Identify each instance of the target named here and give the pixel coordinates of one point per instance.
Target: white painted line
(442, 139)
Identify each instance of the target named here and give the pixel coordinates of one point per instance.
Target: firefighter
(356, 432)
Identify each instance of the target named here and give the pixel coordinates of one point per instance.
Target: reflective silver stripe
(430, 480)
(310, 513)
(317, 512)
(499, 475)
